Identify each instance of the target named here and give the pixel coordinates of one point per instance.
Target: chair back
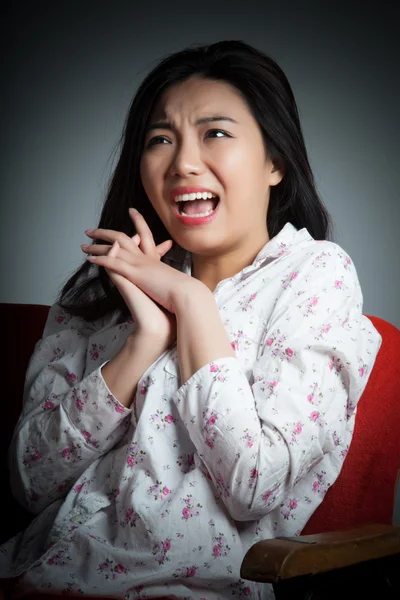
(365, 490)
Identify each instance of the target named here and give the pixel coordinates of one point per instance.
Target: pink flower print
(48, 404)
(95, 351)
(209, 443)
(362, 369)
(70, 378)
(338, 284)
(119, 408)
(186, 462)
(159, 490)
(310, 398)
(160, 550)
(213, 368)
(245, 302)
(145, 384)
(190, 510)
(249, 439)
(79, 404)
(66, 453)
(135, 456)
(335, 365)
(267, 495)
(289, 352)
(287, 508)
(130, 518)
(294, 275)
(78, 487)
(269, 342)
(119, 568)
(212, 420)
(320, 485)
(298, 428)
(86, 435)
(314, 301)
(253, 473)
(216, 551)
(190, 571)
(326, 328)
(130, 461)
(110, 571)
(247, 591)
(59, 319)
(314, 415)
(235, 345)
(169, 419)
(270, 495)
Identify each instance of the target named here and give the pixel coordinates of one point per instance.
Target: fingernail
(84, 246)
(89, 230)
(134, 210)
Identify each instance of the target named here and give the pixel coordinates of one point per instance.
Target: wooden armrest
(275, 559)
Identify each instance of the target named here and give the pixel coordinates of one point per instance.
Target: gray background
(72, 68)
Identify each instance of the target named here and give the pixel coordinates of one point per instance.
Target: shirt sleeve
(258, 438)
(67, 421)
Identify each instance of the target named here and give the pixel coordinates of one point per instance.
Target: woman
(177, 411)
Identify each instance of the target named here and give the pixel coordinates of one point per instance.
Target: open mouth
(198, 207)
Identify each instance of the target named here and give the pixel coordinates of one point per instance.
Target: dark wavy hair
(89, 293)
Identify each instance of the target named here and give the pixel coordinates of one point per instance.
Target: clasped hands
(134, 266)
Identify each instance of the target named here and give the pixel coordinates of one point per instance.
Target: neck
(210, 270)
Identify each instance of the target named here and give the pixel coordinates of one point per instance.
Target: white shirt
(167, 496)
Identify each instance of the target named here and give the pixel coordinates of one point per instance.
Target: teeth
(198, 214)
(194, 196)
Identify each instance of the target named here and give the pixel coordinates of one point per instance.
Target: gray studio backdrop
(70, 73)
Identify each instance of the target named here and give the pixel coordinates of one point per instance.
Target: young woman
(196, 385)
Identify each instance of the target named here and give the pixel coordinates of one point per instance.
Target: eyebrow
(167, 125)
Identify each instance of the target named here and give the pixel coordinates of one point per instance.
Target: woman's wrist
(201, 335)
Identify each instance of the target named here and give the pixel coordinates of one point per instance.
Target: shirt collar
(280, 245)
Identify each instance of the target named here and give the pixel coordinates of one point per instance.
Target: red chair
(363, 494)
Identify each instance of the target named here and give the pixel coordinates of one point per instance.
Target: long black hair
(89, 293)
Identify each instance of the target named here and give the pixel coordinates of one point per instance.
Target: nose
(187, 160)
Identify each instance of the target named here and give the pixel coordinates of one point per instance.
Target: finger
(113, 252)
(109, 235)
(147, 241)
(136, 239)
(164, 247)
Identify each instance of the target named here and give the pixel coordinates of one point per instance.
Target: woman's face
(202, 134)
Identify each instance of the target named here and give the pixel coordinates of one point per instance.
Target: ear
(276, 172)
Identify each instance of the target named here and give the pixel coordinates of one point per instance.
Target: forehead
(197, 96)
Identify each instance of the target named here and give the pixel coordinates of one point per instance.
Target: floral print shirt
(167, 496)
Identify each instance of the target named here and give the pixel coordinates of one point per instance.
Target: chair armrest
(273, 560)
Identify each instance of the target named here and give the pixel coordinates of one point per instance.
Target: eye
(156, 140)
(211, 131)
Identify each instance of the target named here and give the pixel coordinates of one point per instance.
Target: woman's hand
(149, 318)
(142, 266)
